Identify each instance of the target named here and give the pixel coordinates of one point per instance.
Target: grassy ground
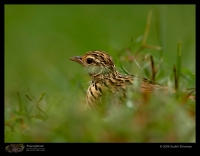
(45, 91)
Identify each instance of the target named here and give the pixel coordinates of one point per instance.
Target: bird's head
(96, 62)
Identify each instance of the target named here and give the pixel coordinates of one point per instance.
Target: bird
(107, 84)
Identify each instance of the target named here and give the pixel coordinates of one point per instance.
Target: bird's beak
(77, 59)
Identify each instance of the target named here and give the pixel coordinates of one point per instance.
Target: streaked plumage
(108, 82)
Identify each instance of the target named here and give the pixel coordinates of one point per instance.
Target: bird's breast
(105, 90)
(94, 93)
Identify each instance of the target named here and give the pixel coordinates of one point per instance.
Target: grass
(45, 91)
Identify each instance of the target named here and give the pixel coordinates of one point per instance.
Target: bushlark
(108, 83)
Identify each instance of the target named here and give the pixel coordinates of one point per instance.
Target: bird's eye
(89, 61)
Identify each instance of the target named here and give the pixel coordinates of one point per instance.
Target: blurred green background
(40, 39)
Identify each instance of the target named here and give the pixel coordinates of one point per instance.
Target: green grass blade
(179, 59)
(41, 97)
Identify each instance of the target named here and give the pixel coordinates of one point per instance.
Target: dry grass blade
(146, 32)
(147, 28)
(190, 96)
(152, 47)
(175, 78)
(179, 58)
(153, 68)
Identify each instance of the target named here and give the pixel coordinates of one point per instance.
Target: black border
(90, 147)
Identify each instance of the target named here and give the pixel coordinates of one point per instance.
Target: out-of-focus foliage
(45, 91)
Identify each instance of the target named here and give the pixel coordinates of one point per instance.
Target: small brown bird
(107, 82)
